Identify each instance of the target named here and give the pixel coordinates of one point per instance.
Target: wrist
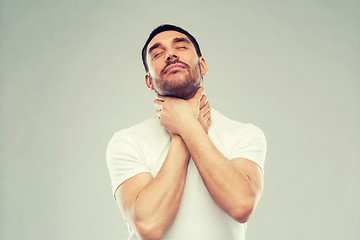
(190, 128)
(179, 144)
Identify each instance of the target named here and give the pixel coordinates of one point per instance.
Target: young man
(188, 172)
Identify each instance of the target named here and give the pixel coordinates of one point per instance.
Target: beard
(175, 84)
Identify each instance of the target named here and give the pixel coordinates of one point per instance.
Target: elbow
(149, 231)
(242, 212)
(241, 215)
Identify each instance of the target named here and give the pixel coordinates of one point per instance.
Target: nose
(170, 56)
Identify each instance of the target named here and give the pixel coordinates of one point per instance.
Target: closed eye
(156, 55)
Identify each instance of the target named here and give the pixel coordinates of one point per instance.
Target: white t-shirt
(143, 148)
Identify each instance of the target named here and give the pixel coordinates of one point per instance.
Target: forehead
(166, 36)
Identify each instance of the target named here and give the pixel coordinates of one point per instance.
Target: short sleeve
(125, 159)
(250, 143)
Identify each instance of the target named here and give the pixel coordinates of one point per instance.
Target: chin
(183, 92)
(178, 85)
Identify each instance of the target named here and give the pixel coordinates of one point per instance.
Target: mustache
(173, 62)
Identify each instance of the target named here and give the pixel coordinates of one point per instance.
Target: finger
(205, 109)
(208, 123)
(162, 98)
(203, 101)
(158, 113)
(207, 116)
(158, 103)
(199, 93)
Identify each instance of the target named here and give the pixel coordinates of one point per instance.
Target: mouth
(173, 67)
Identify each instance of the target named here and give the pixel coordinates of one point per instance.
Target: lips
(173, 67)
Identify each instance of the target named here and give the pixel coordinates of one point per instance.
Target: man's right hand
(172, 111)
(204, 114)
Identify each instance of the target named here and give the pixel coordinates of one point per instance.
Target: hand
(176, 114)
(205, 114)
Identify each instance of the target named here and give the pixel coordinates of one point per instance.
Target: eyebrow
(156, 45)
(175, 40)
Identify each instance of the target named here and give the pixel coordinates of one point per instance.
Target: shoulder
(138, 131)
(227, 126)
(138, 135)
(243, 140)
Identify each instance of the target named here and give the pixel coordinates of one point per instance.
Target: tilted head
(163, 28)
(173, 62)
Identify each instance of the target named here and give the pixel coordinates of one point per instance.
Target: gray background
(71, 75)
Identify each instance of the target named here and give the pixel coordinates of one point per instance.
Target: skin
(150, 203)
(172, 64)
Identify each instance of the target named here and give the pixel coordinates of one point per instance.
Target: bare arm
(234, 185)
(150, 204)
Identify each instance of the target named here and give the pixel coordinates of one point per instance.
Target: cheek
(193, 60)
(152, 72)
(154, 69)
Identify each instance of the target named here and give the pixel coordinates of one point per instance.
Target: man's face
(174, 67)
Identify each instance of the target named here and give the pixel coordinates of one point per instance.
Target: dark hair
(163, 28)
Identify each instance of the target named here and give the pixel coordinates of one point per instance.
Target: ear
(203, 66)
(148, 81)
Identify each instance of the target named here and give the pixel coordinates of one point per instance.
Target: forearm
(227, 184)
(157, 204)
